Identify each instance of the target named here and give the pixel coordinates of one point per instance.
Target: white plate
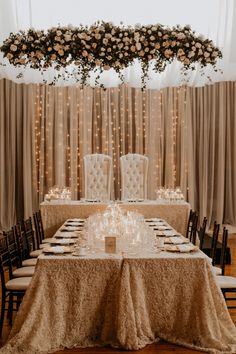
(161, 227)
(62, 241)
(177, 240)
(181, 248)
(57, 250)
(71, 228)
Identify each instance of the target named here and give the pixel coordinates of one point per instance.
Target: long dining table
(55, 212)
(125, 300)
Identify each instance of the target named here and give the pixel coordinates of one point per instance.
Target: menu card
(110, 244)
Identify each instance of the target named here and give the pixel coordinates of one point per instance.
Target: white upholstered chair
(134, 172)
(98, 176)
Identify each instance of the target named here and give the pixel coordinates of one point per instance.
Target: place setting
(181, 248)
(57, 250)
(63, 241)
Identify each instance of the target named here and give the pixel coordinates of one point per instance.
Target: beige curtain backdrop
(187, 133)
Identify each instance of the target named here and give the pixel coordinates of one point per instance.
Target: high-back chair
(32, 250)
(134, 173)
(98, 177)
(202, 233)
(214, 241)
(221, 270)
(39, 230)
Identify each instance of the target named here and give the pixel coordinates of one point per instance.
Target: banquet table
(55, 212)
(122, 300)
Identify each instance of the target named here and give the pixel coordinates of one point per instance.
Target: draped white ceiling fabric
(215, 19)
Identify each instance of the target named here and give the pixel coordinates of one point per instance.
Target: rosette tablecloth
(54, 213)
(123, 301)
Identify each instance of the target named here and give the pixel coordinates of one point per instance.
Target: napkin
(181, 248)
(177, 240)
(56, 249)
(169, 233)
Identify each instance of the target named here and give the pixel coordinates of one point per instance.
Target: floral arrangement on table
(103, 46)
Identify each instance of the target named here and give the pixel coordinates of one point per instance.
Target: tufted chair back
(98, 176)
(134, 170)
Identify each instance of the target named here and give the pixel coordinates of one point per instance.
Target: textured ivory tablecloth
(124, 302)
(55, 213)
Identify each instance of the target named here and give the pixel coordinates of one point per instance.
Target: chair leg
(2, 312)
(10, 309)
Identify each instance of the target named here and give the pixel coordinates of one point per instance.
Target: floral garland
(103, 46)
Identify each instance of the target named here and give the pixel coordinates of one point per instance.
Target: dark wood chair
(17, 269)
(38, 223)
(32, 250)
(221, 269)
(22, 247)
(202, 233)
(193, 230)
(226, 283)
(189, 224)
(13, 290)
(214, 241)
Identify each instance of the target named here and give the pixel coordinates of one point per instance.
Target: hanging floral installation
(104, 46)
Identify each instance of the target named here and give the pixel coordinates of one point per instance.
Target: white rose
(9, 56)
(181, 35)
(214, 54)
(186, 61)
(180, 52)
(13, 48)
(191, 54)
(67, 37)
(61, 52)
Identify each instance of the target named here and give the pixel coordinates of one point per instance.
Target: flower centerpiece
(103, 46)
